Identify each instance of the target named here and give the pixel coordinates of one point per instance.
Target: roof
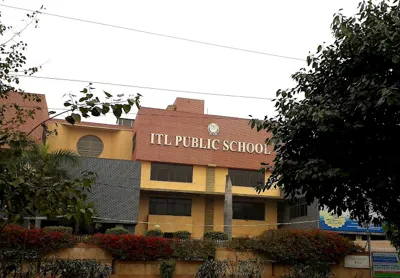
(91, 124)
(27, 104)
(174, 113)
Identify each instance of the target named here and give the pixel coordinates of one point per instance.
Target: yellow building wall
(271, 217)
(220, 179)
(169, 223)
(198, 184)
(117, 143)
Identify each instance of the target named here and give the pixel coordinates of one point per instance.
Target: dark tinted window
(165, 206)
(299, 209)
(134, 143)
(171, 172)
(248, 178)
(248, 211)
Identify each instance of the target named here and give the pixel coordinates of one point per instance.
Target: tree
(34, 182)
(29, 186)
(336, 132)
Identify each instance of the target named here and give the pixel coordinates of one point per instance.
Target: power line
(141, 87)
(156, 34)
(192, 116)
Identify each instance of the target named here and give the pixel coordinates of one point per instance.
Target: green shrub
(216, 235)
(240, 243)
(75, 268)
(61, 229)
(117, 231)
(315, 270)
(182, 235)
(154, 233)
(194, 250)
(167, 269)
(212, 269)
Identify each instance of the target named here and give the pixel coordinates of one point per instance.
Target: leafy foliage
(182, 235)
(61, 229)
(117, 231)
(34, 242)
(167, 269)
(216, 235)
(131, 247)
(392, 233)
(154, 233)
(25, 187)
(33, 181)
(192, 249)
(240, 243)
(74, 268)
(303, 246)
(212, 269)
(315, 270)
(338, 144)
(227, 268)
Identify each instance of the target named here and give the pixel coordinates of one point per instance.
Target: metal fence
(87, 239)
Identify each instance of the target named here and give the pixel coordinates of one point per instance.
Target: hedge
(136, 248)
(154, 233)
(38, 241)
(302, 246)
(194, 250)
(61, 229)
(215, 235)
(117, 231)
(182, 235)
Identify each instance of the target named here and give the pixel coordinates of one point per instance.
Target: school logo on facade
(213, 129)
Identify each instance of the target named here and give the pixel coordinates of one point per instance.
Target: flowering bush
(303, 246)
(36, 241)
(131, 247)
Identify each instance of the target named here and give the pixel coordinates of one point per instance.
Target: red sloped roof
(27, 104)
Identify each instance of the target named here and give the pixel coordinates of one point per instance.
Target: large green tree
(31, 179)
(337, 132)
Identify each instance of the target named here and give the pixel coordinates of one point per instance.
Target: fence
(87, 239)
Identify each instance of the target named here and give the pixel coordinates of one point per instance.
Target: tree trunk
(77, 227)
(228, 213)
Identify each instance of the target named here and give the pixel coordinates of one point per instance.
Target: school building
(185, 156)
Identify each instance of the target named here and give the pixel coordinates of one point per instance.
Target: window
(125, 122)
(134, 143)
(298, 209)
(171, 172)
(248, 178)
(90, 146)
(248, 211)
(166, 206)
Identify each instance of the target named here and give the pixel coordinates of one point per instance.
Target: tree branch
(47, 120)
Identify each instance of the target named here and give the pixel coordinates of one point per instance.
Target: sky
(77, 50)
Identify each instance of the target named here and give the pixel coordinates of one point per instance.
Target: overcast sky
(85, 51)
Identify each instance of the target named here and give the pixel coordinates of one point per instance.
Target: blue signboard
(343, 223)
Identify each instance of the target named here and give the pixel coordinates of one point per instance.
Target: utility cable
(140, 87)
(155, 34)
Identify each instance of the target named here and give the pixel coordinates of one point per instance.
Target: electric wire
(154, 33)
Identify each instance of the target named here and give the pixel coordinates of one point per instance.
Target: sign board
(355, 261)
(386, 264)
(343, 223)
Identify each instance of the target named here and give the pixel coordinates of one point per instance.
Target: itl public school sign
(208, 143)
